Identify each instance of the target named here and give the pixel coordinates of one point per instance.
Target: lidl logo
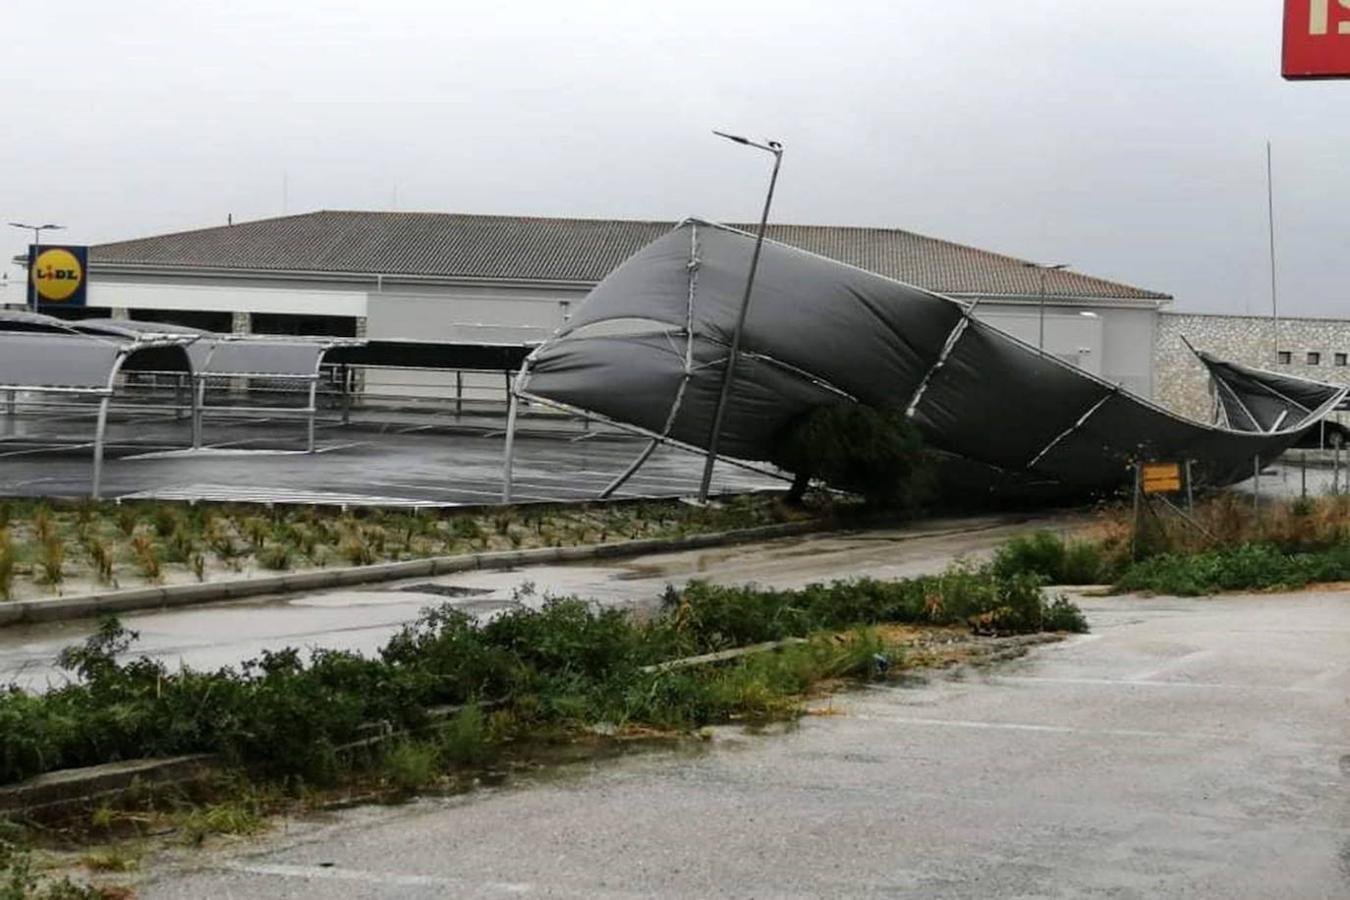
(57, 274)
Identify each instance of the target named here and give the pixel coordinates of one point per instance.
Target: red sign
(1317, 38)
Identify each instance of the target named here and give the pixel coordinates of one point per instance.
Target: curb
(64, 790)
(23, 612)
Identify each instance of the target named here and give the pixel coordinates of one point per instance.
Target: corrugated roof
(584, 250)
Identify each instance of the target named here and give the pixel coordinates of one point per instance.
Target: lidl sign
(58, 276)
(1316, 39)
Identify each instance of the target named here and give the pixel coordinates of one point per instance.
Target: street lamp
(37, 242)
(715, 436)
(1045, 270)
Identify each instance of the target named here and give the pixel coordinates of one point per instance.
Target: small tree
(876, 452)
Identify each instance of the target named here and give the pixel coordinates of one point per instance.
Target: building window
(1285, 357)
(1341, 359)
(1314, 358)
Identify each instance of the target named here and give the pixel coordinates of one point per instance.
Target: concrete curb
(65, 790)
(91, 605)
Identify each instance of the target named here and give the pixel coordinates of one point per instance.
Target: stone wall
(1182, 384)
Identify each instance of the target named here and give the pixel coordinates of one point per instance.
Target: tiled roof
(581, 250)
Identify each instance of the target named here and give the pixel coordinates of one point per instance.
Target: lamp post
(715, 436)
(1045, 271)
(37, 242)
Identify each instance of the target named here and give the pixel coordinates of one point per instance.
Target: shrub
(276, 557)
(8, 560)
(288, 714)
(1085, 562)
(464, 739)
(409, 765)
(101, 555)
(146, 554)
(1063, 615)
(1040, 553)
(876, 452)
(52, 560)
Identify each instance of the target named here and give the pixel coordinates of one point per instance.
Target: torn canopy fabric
(1252, 399)
(649, 345)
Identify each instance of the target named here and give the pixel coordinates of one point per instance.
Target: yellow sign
(1160, 478)
(57, 275)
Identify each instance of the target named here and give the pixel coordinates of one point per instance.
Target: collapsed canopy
(1256, 400)
(648, 348)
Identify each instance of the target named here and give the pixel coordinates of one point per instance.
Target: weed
(198, 564)
(237, 817)
(117, 858)
(357, 550)
(43, 526)
(19, 881)
(146, 554)
(410, 765)
(8, 559)
(256, 531)
(101, 555)
(51, 559)
(166, 519)
(277, 557)
(181, 543)
(127, 519)
(464, 739)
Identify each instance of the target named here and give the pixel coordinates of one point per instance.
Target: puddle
(444, 590)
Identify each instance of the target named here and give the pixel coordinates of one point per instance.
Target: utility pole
(37, 242)
(1045, 271)
(714, 438)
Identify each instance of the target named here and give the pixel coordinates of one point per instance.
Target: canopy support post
(198, 401)
(629, 472)
(100, 431)
(509, 461)
(313, 409)
(345, 376)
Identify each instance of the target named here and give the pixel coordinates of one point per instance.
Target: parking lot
(382, 457)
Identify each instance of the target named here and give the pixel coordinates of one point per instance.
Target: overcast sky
(1125, 138)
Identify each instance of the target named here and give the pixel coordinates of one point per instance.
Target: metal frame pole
(1274, 282)
(198, 401)
(715, 437)
(1134, 532)
(1040, 342)
(313, 409)
(100, 431)
(509, 461)
(346, 394)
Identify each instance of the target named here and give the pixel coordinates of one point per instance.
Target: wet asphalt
(1187, 748)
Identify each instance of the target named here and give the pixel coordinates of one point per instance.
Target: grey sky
(1127, 138)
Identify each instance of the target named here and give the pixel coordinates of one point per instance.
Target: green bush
(875, 452)
(1053, 559)
(1244, 567)
(1039, 553)
(566, 665)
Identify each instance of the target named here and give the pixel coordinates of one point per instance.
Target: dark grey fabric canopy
(1253, 399)
(648, 349)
